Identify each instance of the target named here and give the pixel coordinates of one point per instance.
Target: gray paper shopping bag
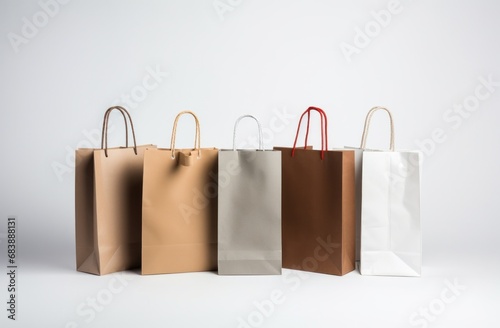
(249, 210)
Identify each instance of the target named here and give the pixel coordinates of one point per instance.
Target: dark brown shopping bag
(108, 200)
(318, 205)
(179, 226)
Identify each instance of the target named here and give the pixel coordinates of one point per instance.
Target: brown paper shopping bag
(108, 199)
(318, 209)
(179, 227)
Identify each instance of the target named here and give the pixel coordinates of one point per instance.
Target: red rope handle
(324, 130)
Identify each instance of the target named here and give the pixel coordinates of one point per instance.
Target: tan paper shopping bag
(318, 209)
(179, 227)
(108, 199)
(249, 209)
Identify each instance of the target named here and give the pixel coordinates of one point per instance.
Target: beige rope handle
(197, 135)
(104, 136)
(105, 126)
(367, 126)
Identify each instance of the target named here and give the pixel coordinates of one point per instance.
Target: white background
(263, 58)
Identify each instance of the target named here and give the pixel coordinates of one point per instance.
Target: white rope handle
(197, 135)
(367, 126)
(261, 144)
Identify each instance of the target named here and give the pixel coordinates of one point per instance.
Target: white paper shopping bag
(390, 215)
(358, 166)
(391, 241)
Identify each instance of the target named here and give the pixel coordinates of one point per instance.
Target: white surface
(262, 58)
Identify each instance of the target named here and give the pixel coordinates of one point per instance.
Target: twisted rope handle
(259, 127)
(324, 130)
(367, 126)
(197, 135)
(105, 123)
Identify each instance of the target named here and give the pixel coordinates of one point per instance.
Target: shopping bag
(391, 242)
(318, 209)
(358, 166)
(108, 202)
(179, 225)
(249, 210)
